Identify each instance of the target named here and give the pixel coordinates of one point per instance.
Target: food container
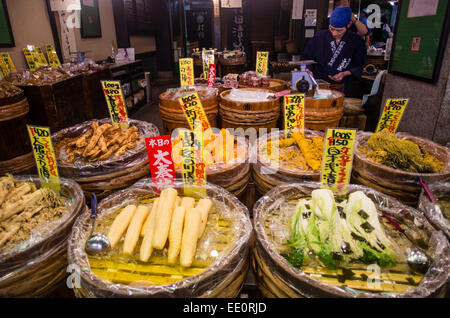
(249, 108)
(437, 213)
(268, 173)
(217, 271)
(172, 114)
(36, 266)
(400, 184)
(324, 110)
(106, 176)
(278, 278)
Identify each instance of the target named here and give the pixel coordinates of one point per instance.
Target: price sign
(116, 102)
(337, 158)
(207, 58)
(262, 62)
(8, 62)
(392, 114)
(194, 169)
(193, 110)
(45, 156)
(162, 168)
(29, 57)
(3, 69)
(41, 56)
(187, 72)
(294, 112)
(52, 56)
(212, 75)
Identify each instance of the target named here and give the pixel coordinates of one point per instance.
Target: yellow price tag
(3, 69)
(294, 112)
(337, 158)
(194, 169)
(193, 110)
(187, 72)
(41, 56)
(116, 102)
(30, 60)
(392, 114)
(8, 62)
(52, 56)
(207, 58)
(262, 62)
(45, 156)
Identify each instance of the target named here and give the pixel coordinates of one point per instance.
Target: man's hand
(340, 76)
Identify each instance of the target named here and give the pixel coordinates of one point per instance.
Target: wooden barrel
(173, 116)
(232, 65)
(16, 155)
(267, 176)
(323, 113)
(38, 267)
(219, 268)
(400, 184)
(276, 85)
(235, 114)
(276, 277)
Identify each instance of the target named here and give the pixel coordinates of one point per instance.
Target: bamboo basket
(400, 184)
(173, 116)
(222, 277)
(235, 114)
(40, 266)
(277, 278)
(16, 155)
(276, 85)
(267, 174)
(106, 177)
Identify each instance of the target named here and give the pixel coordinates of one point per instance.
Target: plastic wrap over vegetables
(321, 245)
(206, 258)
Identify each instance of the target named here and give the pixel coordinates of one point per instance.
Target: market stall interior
(239, 148)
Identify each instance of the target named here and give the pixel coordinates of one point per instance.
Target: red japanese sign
(162, 168)
(211, 75)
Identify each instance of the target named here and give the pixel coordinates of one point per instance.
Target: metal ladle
(98, 243)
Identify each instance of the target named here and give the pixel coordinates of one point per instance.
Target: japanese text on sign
(294, 112)
(162, 168)
(41, 56)
(52, 56)
(338, 158)
(45, 157)
(193, 110)
(194, 169)
(207, 58)
(262, 62)
(211, 75)
(116, 102)
(6, 58)
(30, 60)
(186, 72)
(392, 114)
(3, 69)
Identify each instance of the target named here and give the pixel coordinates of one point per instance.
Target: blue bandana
(341, 17)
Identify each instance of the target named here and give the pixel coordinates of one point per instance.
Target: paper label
(337, 158)
(45, 156)
(186, 72)
(53, 58)
(294, 112)
(194, 169)
(8, 62)
(3, 69)
(30, 58)
(162, 168)
(392, 114)
(262, 62)
(207, 58)
(212, 75)
(41, 56)
(116, 102)
(193, 110)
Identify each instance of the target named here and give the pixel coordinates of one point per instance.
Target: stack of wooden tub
(324, 110)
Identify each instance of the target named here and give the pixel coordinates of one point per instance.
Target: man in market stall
(340, 53)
